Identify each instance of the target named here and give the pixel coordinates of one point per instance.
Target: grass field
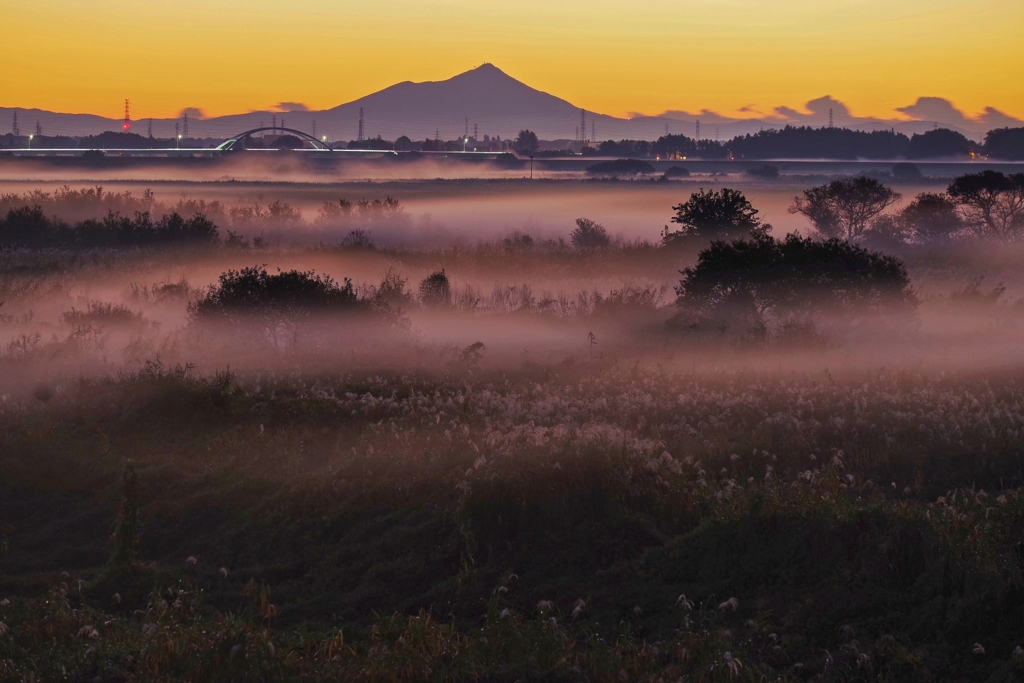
(402, 504)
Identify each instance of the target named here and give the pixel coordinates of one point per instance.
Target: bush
(280, 305)
(768, 171)
(677, 172)
(436, 290)
(760, 280)
(906, 171)
(620, 167)
(589, 235)
(714, 214)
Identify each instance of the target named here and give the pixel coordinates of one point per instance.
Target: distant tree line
(29, 227)
(831, 143)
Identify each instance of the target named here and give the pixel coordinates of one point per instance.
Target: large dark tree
(937, 143)
(992, 203)
(1005, 143)
(761, 280)
(715, 215)
(845, 207)
(526, 143)
(931, 217)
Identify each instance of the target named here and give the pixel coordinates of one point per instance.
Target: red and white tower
(127, 127)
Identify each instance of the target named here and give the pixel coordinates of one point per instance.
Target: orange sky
(229, 56)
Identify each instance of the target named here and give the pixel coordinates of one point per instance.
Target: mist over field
(703, 428)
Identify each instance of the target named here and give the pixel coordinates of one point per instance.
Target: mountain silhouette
(496, 104)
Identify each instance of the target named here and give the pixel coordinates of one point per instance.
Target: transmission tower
(476, 132)
(39, 130)
(176, 130)
(360, 138)
(127, 127)
(698, 129)
(583, 126)
(314, 127)
(593, 131)
(831, 121)
(184, 126)
(14, 126)
(437, 135)
(273, 122)
(149, 128)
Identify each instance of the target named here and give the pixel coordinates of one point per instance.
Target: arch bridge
(230, 144)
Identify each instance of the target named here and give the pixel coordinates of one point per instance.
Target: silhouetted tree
(940, 142)
(845, 207)
(992, 203)
(932, 217)
(435, 289)
(762, 280)
(589, 235)
(714, 215)
(1005, 143)
(526, 143)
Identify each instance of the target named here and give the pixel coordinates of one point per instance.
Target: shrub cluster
(29, 227)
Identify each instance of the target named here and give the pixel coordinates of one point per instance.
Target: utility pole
(360, 138)
(593, 131)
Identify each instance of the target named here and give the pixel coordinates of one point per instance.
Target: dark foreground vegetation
(553, 522)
